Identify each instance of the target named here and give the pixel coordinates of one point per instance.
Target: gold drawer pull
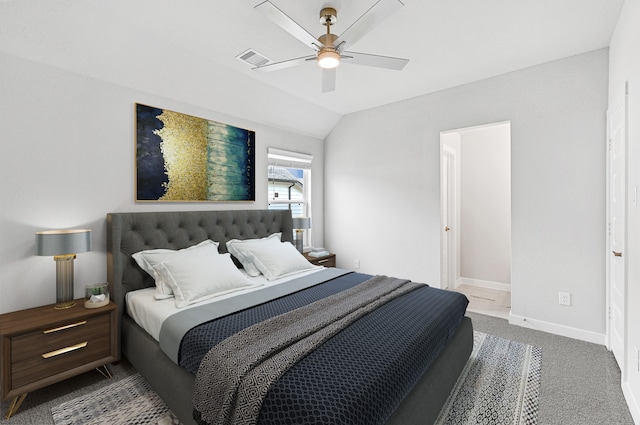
(323, 261)
(65, 350)
(61, 328)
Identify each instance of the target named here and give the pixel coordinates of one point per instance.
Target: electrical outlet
(564, 298)
(356, 264)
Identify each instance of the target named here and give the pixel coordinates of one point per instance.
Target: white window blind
(289, 159)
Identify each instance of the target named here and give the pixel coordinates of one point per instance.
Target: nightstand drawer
(52, 338)
(52, 350)
(326, 261)
(65, 357)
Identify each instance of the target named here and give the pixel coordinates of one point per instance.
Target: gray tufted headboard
(130, 232)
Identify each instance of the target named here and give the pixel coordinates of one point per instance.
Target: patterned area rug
(499, 385)
(128, 401)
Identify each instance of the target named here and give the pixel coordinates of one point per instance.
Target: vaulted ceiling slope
(186, 50)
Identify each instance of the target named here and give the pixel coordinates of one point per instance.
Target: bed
(418, 401)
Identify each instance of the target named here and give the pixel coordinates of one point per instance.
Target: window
(289, 175)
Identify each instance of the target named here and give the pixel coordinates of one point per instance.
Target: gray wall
(382, 186)
(67, 159)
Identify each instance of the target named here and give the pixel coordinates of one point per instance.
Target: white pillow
(149, 258)
(278, 260)
(196, 279)
(241, 249)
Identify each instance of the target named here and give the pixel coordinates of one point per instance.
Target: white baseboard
(631, 402)
(540, 325)
(554, 328)
(483, 284)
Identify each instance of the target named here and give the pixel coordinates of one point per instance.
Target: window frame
(294, 160)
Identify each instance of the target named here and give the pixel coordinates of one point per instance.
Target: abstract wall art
(183, 158)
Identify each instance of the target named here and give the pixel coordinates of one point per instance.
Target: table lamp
(299, 224)
(63, 245)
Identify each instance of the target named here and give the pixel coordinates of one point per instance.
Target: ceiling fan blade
(275, 66)
(387, 62)
(328, 80)
(369, 20)
(286, 23)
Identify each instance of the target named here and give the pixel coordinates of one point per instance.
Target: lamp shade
(63, 242)
(301, 223)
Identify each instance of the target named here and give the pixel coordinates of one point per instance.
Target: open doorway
(476, 215)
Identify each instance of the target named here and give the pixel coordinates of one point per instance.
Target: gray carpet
(580, 381)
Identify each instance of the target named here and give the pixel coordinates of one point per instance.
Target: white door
(448, 254)
(617, 281)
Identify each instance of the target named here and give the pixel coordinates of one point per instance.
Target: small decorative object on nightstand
(63, 245)
(41, 346)
(96, 295)
(327, 260)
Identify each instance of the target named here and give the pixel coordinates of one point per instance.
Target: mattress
(150, 313)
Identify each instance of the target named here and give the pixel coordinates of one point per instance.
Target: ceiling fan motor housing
(328, 15)
(328, 39)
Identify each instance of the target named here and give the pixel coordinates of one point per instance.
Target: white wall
(382, 188)
(485, 227)
(67, 159)
(625, 66)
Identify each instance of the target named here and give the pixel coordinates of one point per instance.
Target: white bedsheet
(149, 313)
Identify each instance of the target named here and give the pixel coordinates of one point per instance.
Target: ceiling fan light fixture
(328, 58)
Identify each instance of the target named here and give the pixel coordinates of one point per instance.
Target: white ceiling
(176, 48)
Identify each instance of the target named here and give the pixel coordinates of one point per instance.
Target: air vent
(253, 58)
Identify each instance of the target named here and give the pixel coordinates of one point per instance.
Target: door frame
(620, 104)
(450, 143)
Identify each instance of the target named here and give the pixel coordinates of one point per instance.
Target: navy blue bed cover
(360, 375)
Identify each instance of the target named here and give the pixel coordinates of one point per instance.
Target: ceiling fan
(330, 48)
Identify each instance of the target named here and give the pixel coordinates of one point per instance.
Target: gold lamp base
(64, 305)
(64, 281)
(298, 240)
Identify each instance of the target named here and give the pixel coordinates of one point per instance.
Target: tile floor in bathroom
(492, 302)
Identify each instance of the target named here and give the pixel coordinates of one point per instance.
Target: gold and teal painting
(184, 158)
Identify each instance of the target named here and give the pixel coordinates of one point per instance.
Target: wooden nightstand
(41, 346)
(327, 260)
